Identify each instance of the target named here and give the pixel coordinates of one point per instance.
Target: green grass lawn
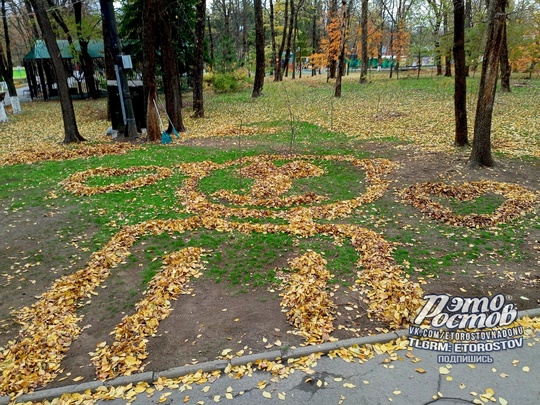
(251, 260)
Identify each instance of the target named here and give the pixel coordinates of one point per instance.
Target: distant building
(40, 73)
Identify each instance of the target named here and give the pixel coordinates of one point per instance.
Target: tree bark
(198, 63)
(364, 39)
(149, 70)
(114, 47)
(71, 132)
(86, 59)
(278, 76)
(448, 52)
(259, 50)
(289, 36)
(171, 71)
(341, 58)
(481, 150)
(460, 76)
(332, 63)
(273, 38)
(211, 37)
(506, 69)
(6, 64)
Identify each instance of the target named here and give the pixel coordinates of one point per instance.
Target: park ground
(49, 230)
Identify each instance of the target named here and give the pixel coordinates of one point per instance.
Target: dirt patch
(215, 316)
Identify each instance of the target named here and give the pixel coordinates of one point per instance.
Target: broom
(174, 131)
(165, 136)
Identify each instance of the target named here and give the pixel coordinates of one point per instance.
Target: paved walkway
(411, 376)
(512, 378)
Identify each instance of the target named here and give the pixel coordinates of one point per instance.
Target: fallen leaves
(128, 350)
(519, 201)
(75, 182)
(45, 152)
(311, 309)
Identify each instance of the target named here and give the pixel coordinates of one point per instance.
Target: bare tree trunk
(332, 63)
(341, 59)
(6, 65)
(460, 78)
(468, 25)
(289, 36)
(210, 36)
(259, 50)
(71, 132)
(171, 72)
(278, 76)
(506, 69)
(86, 59)
(149, 69)
(198, 68)
(481, 150)
(273, 38)
(448, 52)
(364, 39)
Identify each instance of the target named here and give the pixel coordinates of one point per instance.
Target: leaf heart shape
(518, 201)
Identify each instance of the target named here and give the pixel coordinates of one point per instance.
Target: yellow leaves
(53, 151)
(75, 182)
(51, 324)
(267, 189)
(518, 202)
(126, 353)
(311, 308)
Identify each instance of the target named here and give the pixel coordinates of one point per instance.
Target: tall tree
(364, 28)
(448, 51)
(259, 50)
(198, 63)
(506, 68)
(71, 132)
(481, 150)
(169, 64)
(438, 9)
(273, 37)
(278, 75)
(333, 38)
(460, 76)
(6, 64)
(86, 59)
(343, 38)
(150, 35)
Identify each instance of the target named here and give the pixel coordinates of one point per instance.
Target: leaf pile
(128, 350)
(519, 201)
(75, 182)
(271, 182)
(45, 152)
(311, 309)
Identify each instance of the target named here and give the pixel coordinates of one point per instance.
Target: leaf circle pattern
(198, 203)
(75, 182)
(518, 201)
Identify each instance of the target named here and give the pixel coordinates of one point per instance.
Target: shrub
(225, 82)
